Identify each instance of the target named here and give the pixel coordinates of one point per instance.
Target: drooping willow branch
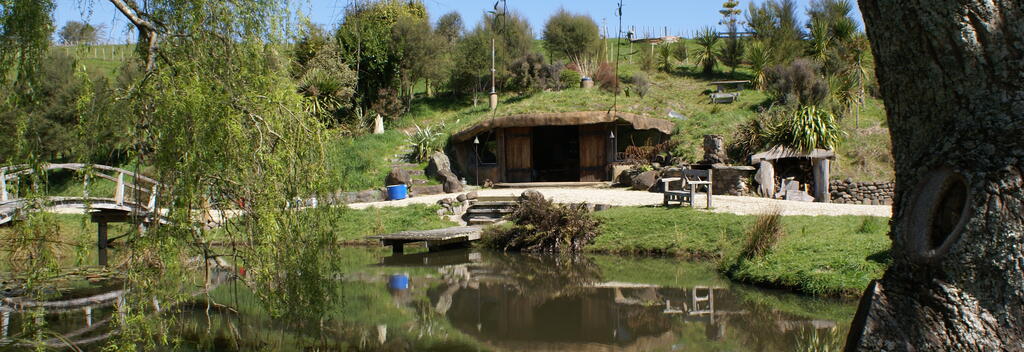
(147, 31)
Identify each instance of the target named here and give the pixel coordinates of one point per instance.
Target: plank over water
(471, 233)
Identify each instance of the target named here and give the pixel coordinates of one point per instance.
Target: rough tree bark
(952, 76)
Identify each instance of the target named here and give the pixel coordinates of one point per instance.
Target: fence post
(119, 193)
(3, 185)
(152, 199)
(85, 186)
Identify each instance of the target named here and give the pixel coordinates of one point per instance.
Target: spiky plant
(665, 57)
(809, 128)
(760, 58)
(706, 54)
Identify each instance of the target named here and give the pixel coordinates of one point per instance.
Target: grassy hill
(361, 162)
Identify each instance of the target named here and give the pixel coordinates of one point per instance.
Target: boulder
(398, 176)
(445, 202)
(765, 178)
(438, 163)
(531, 194)
(451, 182)
(461, 198)
(714, 149)
(645, 181)
(472, 195)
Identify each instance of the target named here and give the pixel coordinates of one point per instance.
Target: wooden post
(85, 186)
(101, 242)
(5, 323)
(3, 185)
(151, 206)
(88, 316)
(119, 192)
(821, 192)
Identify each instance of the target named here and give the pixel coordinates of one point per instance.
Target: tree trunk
(952, 77)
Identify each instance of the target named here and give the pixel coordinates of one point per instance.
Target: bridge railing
(140, 190)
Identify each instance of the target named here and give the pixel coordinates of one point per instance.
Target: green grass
(825, 256)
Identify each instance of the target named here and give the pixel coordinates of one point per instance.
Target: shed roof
(564, 119)
(780, 152)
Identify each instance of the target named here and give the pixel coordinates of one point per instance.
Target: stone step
(492, 204)
(474, 210)
(405, 164)
(415, 172)
(482, 221)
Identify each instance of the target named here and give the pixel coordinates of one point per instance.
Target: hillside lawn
(818, 255)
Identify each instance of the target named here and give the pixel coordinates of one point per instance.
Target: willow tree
(950, 73)
(217, 120)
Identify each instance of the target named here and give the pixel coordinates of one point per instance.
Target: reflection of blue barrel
(398, 282)
(397, 192)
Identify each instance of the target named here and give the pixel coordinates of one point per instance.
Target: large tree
(950, 73)
(75, 32)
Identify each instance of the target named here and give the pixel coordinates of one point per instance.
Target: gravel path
(622, 197)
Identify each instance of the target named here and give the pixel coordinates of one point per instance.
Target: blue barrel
(398, 282)
(397, 192)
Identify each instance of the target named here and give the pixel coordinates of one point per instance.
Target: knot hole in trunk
(938, 214)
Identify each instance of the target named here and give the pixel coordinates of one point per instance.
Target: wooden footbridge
(133, 199)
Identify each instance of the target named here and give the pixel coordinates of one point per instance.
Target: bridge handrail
(25, 169)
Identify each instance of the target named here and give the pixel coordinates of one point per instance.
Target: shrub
(679, 50)
(641, 83)
(797, 83)
(665, 57)
(539, 225)
(646, 59)
(569, 78)
(527, 74)
(426, 141)
(755, 135)
(763, 235)
(606, 78)
(809, 128)
(731, 54)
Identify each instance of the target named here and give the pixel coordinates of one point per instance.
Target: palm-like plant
(810, 128)
(732, 53)
(706, 55)
(760, 58)
(665, 57)
(425, 141)
(820, 42)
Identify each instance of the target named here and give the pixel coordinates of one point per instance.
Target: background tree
(75, 32)
(365, 37)
(513, 41)
(571, 36)
(774, 22)
(450, 27)
(420, 57)
(949, 77)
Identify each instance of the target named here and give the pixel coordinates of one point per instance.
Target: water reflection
(461, 300)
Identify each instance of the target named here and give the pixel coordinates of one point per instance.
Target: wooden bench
(694, 179)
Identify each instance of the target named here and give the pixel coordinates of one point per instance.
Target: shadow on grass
(881, 257)
(690, 72)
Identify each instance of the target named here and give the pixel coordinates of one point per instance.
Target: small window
(488, 148)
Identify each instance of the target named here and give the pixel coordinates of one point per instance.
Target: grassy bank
(827, 256)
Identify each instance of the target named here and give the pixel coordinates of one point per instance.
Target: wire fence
(98, 52)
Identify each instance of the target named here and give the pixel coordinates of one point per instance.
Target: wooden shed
(552, 147)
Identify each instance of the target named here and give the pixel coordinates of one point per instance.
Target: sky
(681, 17)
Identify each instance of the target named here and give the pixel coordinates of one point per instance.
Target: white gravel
(622, 197)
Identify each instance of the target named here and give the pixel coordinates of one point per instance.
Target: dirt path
(622, 197)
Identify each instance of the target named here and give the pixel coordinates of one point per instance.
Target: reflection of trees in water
(543, 275)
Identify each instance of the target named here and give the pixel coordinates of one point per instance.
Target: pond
(459, 300)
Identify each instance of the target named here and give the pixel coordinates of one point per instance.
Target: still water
(363, 299)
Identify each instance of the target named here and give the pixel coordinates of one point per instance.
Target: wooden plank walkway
(436, 239)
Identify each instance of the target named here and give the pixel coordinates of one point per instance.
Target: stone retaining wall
(874, 193)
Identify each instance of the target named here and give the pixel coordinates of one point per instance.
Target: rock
(656, 165)
(451, 182)
(872, 188)
(714, 149)
(446, 201)
(398, 176)
(461, 198)
(378, 125)
(645, 181)
(531, 194)
(874, 201)
(849, 180)
(472, 195)
(426, 190)
(765, 178)
(438, 162)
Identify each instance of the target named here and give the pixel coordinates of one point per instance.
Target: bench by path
(436, 239)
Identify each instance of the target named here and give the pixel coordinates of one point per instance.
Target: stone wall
(874, 193)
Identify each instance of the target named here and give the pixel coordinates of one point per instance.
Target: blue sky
(680, 16)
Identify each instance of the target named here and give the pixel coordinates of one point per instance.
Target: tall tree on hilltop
(571, 36)
(950, 76)
(75, 32)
